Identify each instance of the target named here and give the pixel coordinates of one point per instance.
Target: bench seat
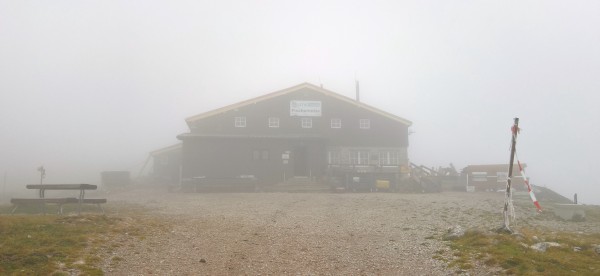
(93, 200)
(64, 200)
(58, 201)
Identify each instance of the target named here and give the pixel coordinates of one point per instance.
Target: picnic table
(60, 201)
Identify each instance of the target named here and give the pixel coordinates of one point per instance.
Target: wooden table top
(62, 186)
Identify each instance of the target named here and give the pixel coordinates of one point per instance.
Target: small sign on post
(42, 174)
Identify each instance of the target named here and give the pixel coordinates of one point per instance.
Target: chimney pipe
(357, 92)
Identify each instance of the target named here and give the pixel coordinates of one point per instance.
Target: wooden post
(42, 175)
(515, 131)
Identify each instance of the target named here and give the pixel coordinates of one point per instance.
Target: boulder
(453, 233)
(542, 246)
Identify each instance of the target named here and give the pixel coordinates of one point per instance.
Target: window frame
(502, 177)
(273, 122)
(239, 121)
(334, 157)
(389, 158)
(306, 122)
(364, 124)
(359, 157)
(479, 176)
(336, 123)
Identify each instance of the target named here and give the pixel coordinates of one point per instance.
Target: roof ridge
(289, 90)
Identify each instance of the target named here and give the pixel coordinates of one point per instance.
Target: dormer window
(240, 121)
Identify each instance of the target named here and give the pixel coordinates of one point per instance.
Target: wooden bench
(96, 201)
(42, 201)
(58, 201)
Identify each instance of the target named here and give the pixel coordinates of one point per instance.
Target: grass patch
(513, 254)
(49, 209)
(37, 244)
(41, 245)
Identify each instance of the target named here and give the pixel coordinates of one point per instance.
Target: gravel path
(300, 234)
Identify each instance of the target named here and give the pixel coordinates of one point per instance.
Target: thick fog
(89, 86)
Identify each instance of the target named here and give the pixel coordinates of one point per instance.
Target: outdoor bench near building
(301, 132)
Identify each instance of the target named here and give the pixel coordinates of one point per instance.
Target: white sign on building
(305, 108)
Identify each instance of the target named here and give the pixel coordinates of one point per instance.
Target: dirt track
(307, 234)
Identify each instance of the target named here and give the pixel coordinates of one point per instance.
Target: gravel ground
(305, 234)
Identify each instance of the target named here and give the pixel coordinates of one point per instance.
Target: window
(255, 155)
(365, 123)
(374, 158)
(273, 122)
(240, 121)
(359, 157)
(387, 158)
(502, 176)
(354, 157)
(363, 158)
(345, 157)
(333, 157)
(479, 176)
(306, 123)
(394, 158)
(260, 155)
(336, 123)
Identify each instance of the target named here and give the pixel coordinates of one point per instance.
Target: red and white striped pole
(535, 202)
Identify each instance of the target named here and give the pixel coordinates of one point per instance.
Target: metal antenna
(357, 90)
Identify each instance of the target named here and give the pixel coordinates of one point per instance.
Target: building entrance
(300, 159)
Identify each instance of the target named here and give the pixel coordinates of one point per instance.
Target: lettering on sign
(305, 108)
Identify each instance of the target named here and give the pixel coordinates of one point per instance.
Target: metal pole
(515, 131)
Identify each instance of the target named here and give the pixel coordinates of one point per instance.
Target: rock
(203, 261)
(576, 249)
(597, 249)
(454, 233)
(542, 246)
(552, 244)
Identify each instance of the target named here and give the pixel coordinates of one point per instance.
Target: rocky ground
(305, 234)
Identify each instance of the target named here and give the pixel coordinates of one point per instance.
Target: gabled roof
(313, 87)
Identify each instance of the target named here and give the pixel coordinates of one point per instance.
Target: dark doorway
(300, 159)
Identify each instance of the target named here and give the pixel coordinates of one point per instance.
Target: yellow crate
(382, 184)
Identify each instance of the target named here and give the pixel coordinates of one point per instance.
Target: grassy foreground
(37, 244)
(512, 254)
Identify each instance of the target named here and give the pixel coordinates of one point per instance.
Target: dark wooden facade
(273, 137)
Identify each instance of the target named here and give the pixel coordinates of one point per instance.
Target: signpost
(508, 197)
(42, 174)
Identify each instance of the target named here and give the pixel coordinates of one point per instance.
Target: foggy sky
(88, 86)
